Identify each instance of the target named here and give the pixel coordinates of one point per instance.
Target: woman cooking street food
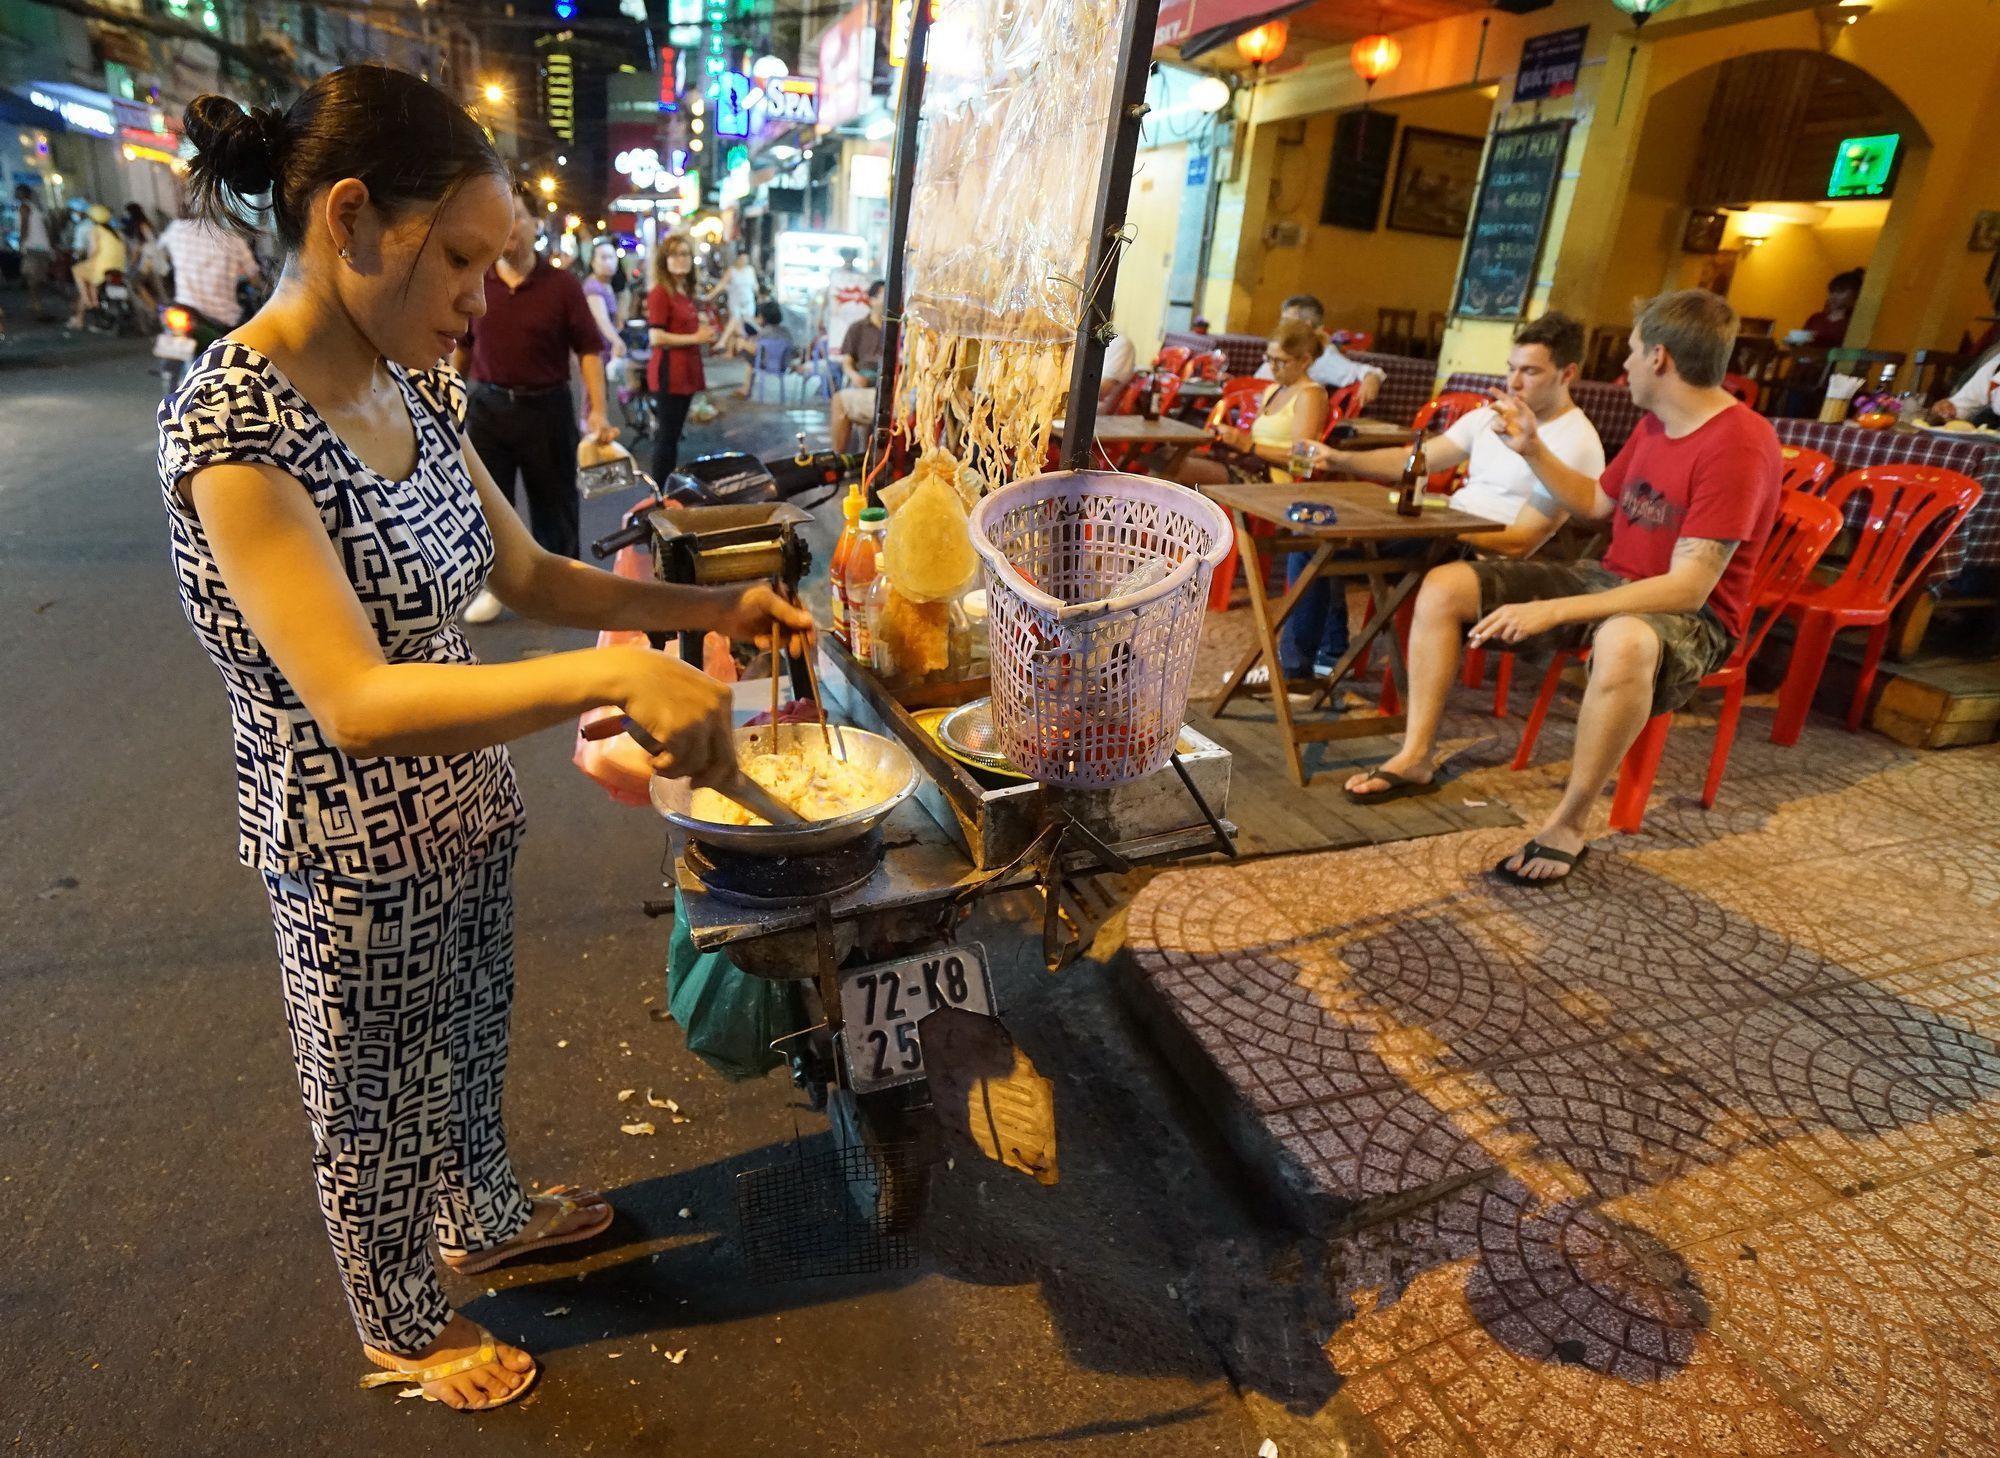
(328, 523)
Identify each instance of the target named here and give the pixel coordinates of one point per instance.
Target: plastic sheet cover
(1016, 107)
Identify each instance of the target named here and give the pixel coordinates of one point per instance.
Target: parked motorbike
(636, 403)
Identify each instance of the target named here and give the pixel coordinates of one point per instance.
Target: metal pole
(1114, 190)
(903, 181)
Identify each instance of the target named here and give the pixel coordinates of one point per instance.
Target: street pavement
(169, 1288)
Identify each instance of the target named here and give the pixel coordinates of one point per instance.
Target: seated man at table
(1333, 370)
(1977, 401)
(1498, 484)
(1690, 500)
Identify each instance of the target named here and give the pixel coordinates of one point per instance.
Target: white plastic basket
(1096, 583)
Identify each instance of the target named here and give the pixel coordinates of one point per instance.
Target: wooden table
(1165, 442)
(1367, 522)
(1366, 435)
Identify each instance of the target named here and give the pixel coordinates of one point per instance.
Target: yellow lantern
(1265, 43)
(1375, 56)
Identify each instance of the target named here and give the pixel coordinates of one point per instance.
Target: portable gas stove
(761, 881)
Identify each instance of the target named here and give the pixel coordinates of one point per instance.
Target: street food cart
(862, 912)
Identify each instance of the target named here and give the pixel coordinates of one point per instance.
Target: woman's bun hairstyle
(402, 137)
(243, 151)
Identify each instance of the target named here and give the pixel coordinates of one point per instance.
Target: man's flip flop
(1400, 788)
(568, 1200)
(1534, 850)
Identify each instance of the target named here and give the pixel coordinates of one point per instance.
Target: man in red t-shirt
(1690, 500)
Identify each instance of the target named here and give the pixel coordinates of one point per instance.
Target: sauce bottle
(850, 508)
(864, 565)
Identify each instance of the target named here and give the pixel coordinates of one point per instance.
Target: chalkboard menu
(1508, 220)
(1358, 170)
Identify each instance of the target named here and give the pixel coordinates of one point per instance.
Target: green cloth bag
(730, 1016)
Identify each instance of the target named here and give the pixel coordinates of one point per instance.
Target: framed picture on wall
(1704, 230)
(1985, 233)
(1718, 271)
(1437, 174)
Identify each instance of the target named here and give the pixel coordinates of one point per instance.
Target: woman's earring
(345, 256)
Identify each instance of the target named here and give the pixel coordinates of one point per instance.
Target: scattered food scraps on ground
(675, 1357)
(643, 1126)
(686, 1213)
(562, 1042)
(625, 1093)
(557, 1311)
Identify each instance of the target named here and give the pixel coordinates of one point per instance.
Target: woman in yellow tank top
(1294, 408)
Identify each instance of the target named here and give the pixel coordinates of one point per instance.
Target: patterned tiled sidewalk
(1690, 1155)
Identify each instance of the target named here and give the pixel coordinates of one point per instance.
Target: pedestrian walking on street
(327, 522)
(31, 220)
(522, 420)
(677, 332)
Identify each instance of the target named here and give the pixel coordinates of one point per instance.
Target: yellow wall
(1614, 231)
(1784, 277)
(1154, 214)
(1354, 273)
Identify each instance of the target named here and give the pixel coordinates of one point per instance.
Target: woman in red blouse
(678, 332)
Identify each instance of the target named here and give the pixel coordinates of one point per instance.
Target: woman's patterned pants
(397, 993)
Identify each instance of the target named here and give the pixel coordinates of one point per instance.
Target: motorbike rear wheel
(895, 1127)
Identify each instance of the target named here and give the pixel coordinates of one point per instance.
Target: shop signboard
(1510, 217)
(732, 105)
(846, 66)
(1550, 63)
(78, 110)
(786, 101)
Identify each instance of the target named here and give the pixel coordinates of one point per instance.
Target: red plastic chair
(1169, 360)
(1806, 470)
(1911, 511)
(1211, 366)
(1452, 405)
(1127, 402)
(1804, 529)
(1742, 387)
(1341, 404)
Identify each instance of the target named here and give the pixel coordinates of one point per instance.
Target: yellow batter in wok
(807, 778)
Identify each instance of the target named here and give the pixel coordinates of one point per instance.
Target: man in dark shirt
(519, 415)
(860, 362)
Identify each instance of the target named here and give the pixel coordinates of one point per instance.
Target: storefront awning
(1200, 25)
(67, 108)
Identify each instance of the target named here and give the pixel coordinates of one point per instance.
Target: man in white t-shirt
(1121, 362)
(1332, 369)
(1977, 401)
(1499, 484)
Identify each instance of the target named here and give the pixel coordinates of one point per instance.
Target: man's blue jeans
(1316, 632)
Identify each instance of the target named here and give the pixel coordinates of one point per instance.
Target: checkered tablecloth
(1976, 543)
(1608, 407)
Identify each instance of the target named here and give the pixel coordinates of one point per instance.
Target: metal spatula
(738, 786)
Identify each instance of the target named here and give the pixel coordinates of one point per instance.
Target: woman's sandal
(1534, 850)
(518, 1247)
(488, 1355)
(1400, 787)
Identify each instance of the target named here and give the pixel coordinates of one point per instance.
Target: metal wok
(869, 751)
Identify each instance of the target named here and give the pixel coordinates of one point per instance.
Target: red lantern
(1265, 44)
(1375, 56)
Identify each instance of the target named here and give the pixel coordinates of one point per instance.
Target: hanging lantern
(1641, 11)
(1375, 56)
(1264, 44)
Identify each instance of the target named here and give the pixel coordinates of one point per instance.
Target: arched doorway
(1730, 188)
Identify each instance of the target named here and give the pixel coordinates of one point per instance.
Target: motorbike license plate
(882, 1005)
(116, 293)
(173, 346)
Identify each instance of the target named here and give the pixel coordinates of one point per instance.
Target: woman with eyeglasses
(1292, 409)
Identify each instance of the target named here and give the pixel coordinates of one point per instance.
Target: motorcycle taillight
(177, 320)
